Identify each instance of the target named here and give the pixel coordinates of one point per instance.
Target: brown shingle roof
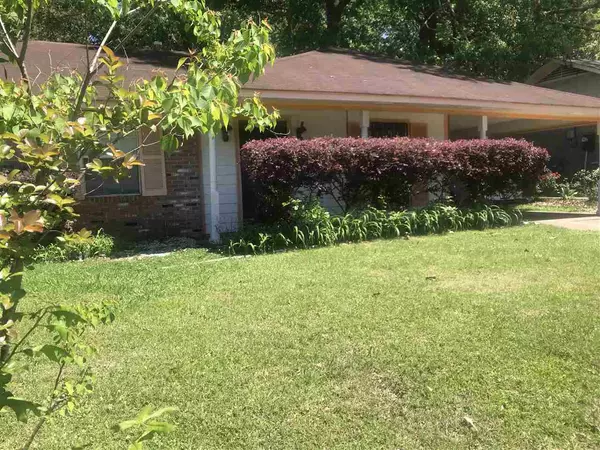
(351, 73)
(44, 57)
(319, 71)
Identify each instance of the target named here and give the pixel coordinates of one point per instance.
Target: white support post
(598, 151)
(214, 191)
(365, 123)
(483, 127)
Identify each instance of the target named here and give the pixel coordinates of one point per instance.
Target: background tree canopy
(505, 39)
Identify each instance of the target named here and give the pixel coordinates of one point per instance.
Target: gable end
(561, 72)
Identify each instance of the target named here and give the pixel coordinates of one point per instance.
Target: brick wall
(179, 213)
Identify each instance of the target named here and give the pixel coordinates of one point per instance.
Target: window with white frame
(97, 186)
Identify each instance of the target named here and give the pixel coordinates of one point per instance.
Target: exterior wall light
(225, 133)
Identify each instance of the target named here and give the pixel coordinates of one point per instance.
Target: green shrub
(312, 226)
(586, 183)
(77, 246)
(548, 184)
(566, 191)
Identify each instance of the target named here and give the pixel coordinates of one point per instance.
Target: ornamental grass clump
(312, 226)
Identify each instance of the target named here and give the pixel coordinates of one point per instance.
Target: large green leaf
(19, 406)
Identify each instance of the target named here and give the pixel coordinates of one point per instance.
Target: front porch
(224, 200)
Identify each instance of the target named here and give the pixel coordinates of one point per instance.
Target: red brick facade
(180, 212)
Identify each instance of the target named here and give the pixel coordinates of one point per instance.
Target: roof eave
(311, 100)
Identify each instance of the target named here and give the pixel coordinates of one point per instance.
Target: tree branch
(578, 27)
(18, 344)
(593, 5)
(90, 73)
(34, 433)
(25, 44)
(8, 41)
(136, 26)
(42, 420)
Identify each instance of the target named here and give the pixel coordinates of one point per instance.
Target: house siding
(227, 180)
(567, 155)
(179, 213)
(584, 84)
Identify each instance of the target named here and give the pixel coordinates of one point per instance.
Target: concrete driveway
(587, 223)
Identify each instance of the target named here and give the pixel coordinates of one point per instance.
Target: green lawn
(387, 344)
(560, 205)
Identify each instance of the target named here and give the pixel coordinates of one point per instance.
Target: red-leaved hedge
(357, 172)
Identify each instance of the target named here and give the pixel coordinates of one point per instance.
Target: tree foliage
(506, 39)
(48, 131)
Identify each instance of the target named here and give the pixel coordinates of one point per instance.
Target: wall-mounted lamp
(225, 133)
(300, 130)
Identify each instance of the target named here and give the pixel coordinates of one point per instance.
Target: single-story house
(198, 190)
(571, 148)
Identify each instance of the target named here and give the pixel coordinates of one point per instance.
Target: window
(281, 129)
(388, 129)
(96, 186)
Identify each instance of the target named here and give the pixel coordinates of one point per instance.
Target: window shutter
(418, 130)
(154, 176)
(353, 129)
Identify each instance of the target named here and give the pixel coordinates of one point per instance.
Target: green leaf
(52, 352)
(161, 411)
(7, 325)
(160, 427)
(169, 143)
(20, 407)
(146, 436)
(167, 104)
(70, 318)
(181, 62)
(215, 111)
(6, 302)
(59, 328)
(126, 425)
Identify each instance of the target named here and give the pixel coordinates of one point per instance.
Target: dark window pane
(388, 129)
(96, 186)
(280, 130)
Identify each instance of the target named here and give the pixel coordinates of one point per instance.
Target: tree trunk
(334, 11)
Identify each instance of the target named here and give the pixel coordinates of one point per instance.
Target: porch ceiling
(502, 126)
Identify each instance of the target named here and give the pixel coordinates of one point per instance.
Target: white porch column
(364, 124)
(214, 191)
(483, 127)
(598, 151)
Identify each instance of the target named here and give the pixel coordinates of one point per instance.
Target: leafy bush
(362, 172)
(566, 191)
(548, 184)
(311, 225)
(76, 246)
(586, 183)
